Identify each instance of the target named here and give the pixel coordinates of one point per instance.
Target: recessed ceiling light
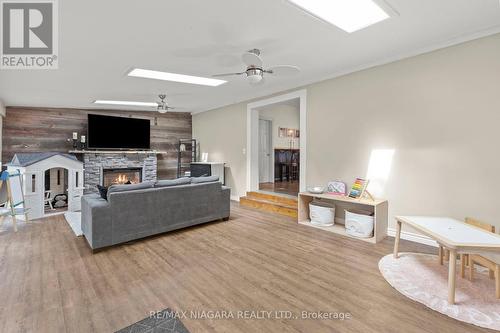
(348, 15)
(128, 103)
(149, 74)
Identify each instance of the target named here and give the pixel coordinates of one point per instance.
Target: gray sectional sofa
(136, 211)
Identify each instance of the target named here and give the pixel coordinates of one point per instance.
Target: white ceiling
(101, 40)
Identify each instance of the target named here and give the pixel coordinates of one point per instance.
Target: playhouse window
(33, 183)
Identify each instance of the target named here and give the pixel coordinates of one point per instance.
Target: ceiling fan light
(255, 78)
(254, 75)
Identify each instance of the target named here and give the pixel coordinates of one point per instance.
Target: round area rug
(421, 278)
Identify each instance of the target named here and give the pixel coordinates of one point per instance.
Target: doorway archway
(252, 151)
(55, 190)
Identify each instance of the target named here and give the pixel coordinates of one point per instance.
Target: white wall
(282, 115)
(438, 112)
(222, 134)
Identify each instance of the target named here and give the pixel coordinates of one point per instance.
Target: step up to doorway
(269, 202)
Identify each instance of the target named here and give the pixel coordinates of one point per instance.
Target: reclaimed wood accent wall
(29, 129)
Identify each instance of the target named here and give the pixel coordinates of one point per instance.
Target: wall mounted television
(108, 132)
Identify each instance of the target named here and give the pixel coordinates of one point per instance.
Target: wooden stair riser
(269, 207)
(275, 198)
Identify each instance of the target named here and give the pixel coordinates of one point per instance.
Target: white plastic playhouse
(53, 182)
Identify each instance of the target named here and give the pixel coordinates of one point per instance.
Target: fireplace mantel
(94, 162)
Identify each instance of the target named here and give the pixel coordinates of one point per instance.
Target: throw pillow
(103, 192)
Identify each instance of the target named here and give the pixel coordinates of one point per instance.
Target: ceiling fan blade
(168, 108)
(251, 59)
(283, 70)
(228, 74)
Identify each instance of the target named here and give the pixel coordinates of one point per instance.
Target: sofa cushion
(209, 179)
(173, 182)
(131, 187)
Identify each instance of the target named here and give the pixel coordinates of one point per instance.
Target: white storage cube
(359, 225)
(322, 213)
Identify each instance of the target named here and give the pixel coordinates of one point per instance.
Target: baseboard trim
(235, 198)
(412, 237)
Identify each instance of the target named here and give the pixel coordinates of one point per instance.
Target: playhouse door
(33, 194)
(75, 190)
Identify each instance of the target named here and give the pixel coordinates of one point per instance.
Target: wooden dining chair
(490, 262)
(444, 254)
(464, 258)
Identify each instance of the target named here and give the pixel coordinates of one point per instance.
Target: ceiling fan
(163, 106)
(255, 70)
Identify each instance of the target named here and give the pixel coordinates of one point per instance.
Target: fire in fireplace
(121, 176)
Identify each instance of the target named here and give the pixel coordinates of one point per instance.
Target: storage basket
(359, 225)
(322, 213)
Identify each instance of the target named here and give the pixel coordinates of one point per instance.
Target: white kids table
(454, 235)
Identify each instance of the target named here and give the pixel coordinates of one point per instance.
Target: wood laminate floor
(51, 282)
(290, 188)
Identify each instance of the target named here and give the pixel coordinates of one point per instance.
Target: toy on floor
(12, 197)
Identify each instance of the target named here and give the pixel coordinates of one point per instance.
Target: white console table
(216, 169)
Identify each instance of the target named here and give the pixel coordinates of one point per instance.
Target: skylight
(348, 15)
(127, 103)
(157, 75)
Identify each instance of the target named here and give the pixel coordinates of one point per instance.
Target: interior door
(265, 141)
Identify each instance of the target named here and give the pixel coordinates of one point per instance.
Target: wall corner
(2, 108)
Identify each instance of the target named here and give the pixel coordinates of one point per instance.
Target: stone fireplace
(107, 168)
(112, 176)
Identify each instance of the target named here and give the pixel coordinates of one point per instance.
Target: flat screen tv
(107, 132)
